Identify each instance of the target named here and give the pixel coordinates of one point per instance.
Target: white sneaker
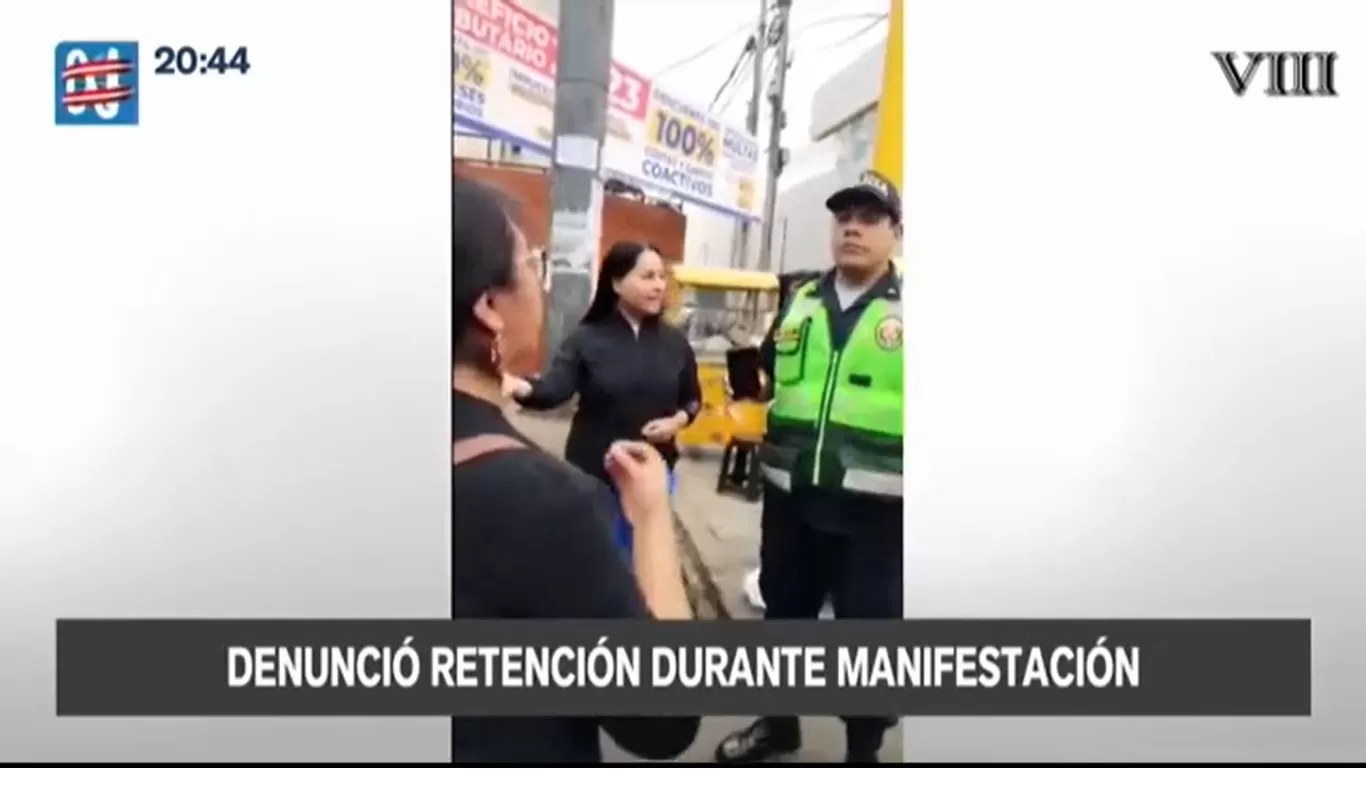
(751, 590)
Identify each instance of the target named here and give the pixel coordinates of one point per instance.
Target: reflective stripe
(859, 481)
(780, 478)
(873, 482)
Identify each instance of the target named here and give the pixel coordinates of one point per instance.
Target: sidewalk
(713, 568)
(719, 540)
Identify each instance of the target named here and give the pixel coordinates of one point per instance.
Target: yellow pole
(891, 112)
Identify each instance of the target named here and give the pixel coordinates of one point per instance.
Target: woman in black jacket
(635, 375)
(505, 561)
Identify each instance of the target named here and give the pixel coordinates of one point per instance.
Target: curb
(703, 593)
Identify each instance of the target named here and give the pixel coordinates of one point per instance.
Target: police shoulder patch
(786, 338)
(888, 333)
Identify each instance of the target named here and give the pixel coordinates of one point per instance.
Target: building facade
(710, 235)
(843, 130)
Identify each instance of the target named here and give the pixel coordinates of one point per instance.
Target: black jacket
(532, 539)
(624, 380)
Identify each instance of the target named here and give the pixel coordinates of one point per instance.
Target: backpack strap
(467, 449)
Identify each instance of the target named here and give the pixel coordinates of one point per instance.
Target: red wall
(622, 219)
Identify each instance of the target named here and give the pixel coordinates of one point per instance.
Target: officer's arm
(767, 356)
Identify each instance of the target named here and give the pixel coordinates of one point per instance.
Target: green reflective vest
(836, 420)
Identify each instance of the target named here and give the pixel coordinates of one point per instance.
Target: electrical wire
(862, 15)
(731, 86)
(766, 110)
(721, 105)
(709, 48)
(745, 59)
(749, 45)
(877, 20)
(770, 62)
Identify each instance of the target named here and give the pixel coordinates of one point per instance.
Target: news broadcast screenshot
(896, 384)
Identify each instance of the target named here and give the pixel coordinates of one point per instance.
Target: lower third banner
(531, 668)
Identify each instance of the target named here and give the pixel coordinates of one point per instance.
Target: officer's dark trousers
(802, 564)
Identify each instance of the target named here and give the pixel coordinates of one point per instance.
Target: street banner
(735, 668)
(658, 140)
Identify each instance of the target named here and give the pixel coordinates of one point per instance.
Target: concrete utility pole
(775, 133)
(582, 74)
(756, 102)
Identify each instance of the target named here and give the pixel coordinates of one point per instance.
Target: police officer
(832, 523)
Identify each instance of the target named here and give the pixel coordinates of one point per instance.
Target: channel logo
(97, 84)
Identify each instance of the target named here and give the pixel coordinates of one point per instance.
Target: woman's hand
(663, 430)
(514, 387)
(642, 481)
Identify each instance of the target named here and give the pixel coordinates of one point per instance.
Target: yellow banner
(471, 71)
(683, 134)
(891, 109)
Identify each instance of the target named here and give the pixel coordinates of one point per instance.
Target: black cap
(871, 188)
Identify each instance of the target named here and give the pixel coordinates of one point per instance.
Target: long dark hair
(616, 264)
(484, 247)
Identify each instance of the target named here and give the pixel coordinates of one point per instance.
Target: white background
(224, 351)
(1137, 346)
(669, 787)
(1135, 329)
